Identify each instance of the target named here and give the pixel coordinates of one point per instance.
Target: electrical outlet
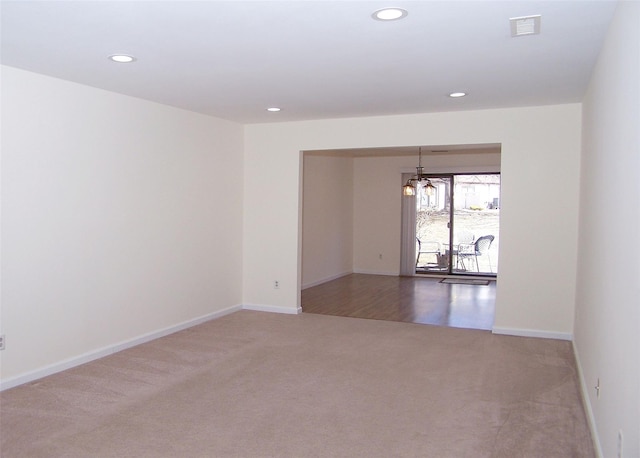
(276, 284)
(2, 342)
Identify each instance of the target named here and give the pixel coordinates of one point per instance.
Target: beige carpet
(256, 384)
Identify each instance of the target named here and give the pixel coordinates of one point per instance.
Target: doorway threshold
(456, 276)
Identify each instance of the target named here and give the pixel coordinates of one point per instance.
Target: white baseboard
(368, 272)
(272, 308)
(532, 333)
(584, 395)
(324, 280)
(109, 350)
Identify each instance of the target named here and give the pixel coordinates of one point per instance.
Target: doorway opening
(457, 225)
(354, 251)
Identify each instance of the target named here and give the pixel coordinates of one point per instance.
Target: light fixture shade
(429, 188)
(408, 190)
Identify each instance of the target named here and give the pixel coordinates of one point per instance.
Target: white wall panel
(327, 227)
(120, 217)
(607, 306)
(540, 171)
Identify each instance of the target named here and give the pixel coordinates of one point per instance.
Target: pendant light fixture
(417, 180)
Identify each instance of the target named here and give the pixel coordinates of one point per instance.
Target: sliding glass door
(458, 225)
(433, 216)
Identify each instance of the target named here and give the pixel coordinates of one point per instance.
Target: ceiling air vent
(525, 25)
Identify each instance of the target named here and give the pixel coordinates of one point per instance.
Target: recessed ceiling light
(389, 14)
(274, 109)
(457, 94)
(122, 58)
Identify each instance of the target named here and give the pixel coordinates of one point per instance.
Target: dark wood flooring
(421, 300)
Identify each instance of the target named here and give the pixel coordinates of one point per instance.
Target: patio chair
(428, 248)
(470, 251)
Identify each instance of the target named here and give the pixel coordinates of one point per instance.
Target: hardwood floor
(421, 300)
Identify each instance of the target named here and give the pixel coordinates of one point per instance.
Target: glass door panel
(433, 213)
(476, 224)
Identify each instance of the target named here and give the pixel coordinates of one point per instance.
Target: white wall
(327, 224)
(120, 217)
(540, 171)
(377, 215)
(607, 325)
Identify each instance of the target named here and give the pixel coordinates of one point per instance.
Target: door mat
(464, 281)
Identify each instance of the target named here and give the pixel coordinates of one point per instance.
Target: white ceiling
(315, 59)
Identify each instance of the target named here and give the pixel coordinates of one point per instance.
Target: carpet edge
(21, 379)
